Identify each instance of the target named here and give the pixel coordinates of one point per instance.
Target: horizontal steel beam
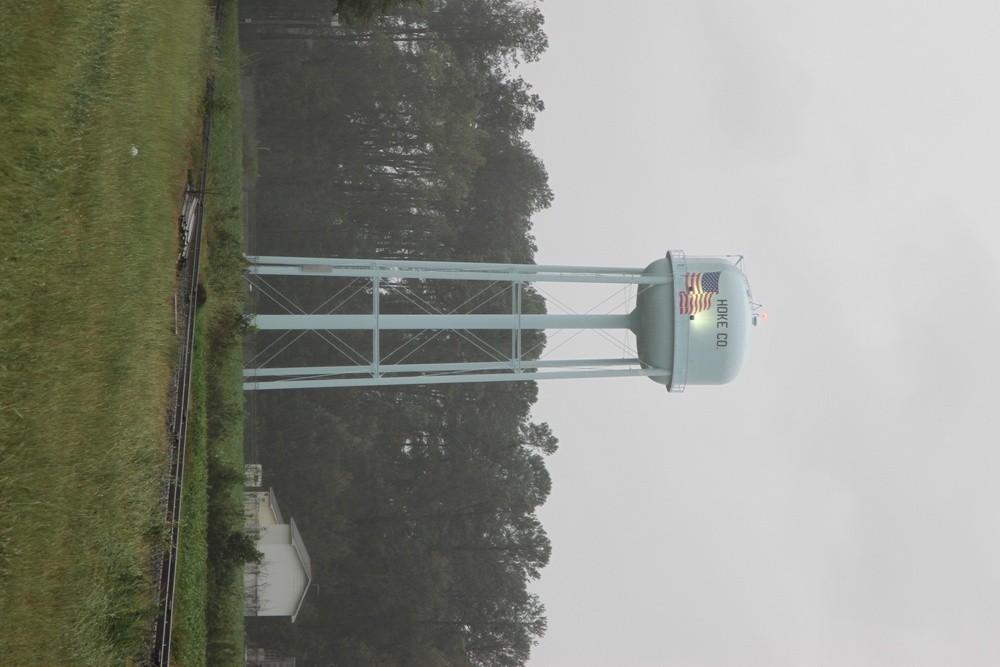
(457, 367)
(450, 379)
(319, 270)
(334, 322)
(388, 264)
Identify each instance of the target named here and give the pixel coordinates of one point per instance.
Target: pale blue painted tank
(696, 323)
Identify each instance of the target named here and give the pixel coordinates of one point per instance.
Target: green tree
(404, 138)
(364, 12)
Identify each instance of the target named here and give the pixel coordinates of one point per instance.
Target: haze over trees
(404, 139)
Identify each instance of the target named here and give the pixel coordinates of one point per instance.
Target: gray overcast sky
(839, 503)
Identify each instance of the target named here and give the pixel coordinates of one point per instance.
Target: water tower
(690, 323)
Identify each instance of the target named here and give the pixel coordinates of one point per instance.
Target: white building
(277, 586)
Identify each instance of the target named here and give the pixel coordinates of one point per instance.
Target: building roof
(300, 549)
(274, 506)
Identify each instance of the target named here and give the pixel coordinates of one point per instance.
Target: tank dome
(696, 322)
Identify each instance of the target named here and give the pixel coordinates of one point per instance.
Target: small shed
(278, 584)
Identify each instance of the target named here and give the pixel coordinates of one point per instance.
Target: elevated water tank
(696, 323)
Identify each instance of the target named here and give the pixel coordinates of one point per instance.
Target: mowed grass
(208, 623)
(189, 639)
(88, 243)
(226, 287)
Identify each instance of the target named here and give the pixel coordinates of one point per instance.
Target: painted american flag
(698, 294)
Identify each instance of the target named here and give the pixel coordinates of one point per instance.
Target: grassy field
(100, 105)
(190, 632)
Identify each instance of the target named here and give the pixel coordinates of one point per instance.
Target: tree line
(404, 138)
